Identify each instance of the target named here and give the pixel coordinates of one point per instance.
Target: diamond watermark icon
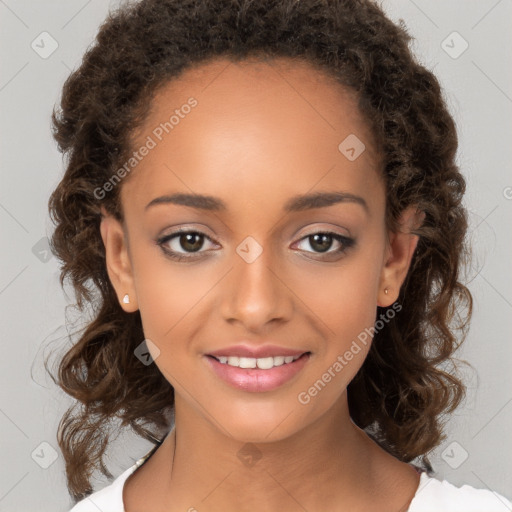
(454, 455)
(351, 147)
(249, 455)
(44, 45)
(454, 45)
(147, 352)
(45, 455)
(41, 250)
(249, 249)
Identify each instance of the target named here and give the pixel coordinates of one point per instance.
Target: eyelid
(347, 241)
(183, 230)
(327, 228)
(199, 228)
(311, 231)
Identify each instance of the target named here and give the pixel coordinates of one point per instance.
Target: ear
(398, 257)
(118, 262)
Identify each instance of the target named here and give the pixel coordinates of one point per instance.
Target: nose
(256, 294)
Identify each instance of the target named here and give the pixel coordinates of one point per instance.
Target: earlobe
(400, 251)
(118, 262)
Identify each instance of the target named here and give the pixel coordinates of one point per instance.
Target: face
(249, 235)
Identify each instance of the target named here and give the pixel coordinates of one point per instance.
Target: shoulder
(435, 495)
(110, 498)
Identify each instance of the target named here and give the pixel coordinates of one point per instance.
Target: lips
(256, 352)
(257, 369)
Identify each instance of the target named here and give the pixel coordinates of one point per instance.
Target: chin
(262, 423)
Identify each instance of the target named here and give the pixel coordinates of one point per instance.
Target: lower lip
(257, 380)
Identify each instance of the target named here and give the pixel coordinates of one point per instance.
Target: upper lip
(256, 352)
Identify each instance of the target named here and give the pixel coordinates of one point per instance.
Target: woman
(262, 207)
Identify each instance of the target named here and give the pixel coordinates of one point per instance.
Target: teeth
(263, 363)
(247, 362)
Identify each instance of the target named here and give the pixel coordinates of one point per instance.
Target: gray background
(477, 85)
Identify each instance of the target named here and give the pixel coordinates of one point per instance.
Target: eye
(180, 243)
(322, 241)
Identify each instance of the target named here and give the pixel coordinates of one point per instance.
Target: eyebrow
(294, 204)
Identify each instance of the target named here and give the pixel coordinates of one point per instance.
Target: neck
(211, 470)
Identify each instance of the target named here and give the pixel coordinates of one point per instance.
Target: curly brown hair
(403, 391)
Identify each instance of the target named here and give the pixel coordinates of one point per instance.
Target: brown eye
(191, 241)
(177, 245)
(321, 242)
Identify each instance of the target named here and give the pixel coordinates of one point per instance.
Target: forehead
(254, 126)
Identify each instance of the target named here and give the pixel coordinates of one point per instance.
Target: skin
(262, 132)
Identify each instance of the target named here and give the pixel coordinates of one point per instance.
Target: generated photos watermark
(304, 397)
(158, 133)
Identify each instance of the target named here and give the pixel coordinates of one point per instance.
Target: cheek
(170, 301)
(345, 302)
(168, 293)
(353, 305)
(344, 298)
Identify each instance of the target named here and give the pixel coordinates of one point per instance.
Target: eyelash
(346, 243)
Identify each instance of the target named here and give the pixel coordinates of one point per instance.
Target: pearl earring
(126, 299)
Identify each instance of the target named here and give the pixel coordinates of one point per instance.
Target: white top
(432, 495)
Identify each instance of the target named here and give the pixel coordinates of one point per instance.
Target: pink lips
(256, 352)
(255, 379)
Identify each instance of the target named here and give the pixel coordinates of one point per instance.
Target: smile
(257, 374)
(263, 363)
